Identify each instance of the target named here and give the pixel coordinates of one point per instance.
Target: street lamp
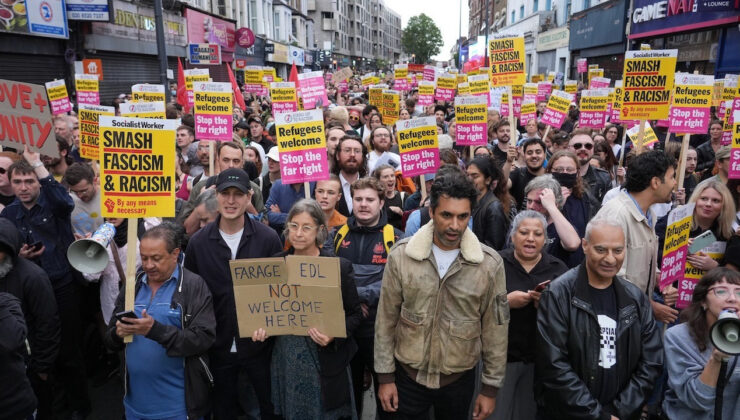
(413, 58)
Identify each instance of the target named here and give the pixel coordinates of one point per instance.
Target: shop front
(705, 33)
(127, 47)
(279, 59)
(598, 35)
(552, 51)
(204, 28)
(253, 55)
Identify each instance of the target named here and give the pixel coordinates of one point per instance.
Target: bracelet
(37, 164)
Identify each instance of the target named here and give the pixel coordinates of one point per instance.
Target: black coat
(334, 358)
(17, 400)
(490, 222)
(191, 341)
(209, 256)
(29, 283)
(568, 346)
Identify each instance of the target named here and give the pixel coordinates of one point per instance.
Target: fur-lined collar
(419, 246)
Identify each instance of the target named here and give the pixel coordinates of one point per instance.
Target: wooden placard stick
(131, 238)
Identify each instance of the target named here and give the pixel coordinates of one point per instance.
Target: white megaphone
(88, 255)
(725, 333)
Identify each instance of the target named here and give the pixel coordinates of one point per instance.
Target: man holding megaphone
(702, 353)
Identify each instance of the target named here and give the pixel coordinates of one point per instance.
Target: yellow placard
(212, 103)
(463, 89)
(594, 72)
(90, 129)
(529, 89)
(648, 137)
(592, 102)
(401, 72)
(461, 78)
(86, 84)
(507, 61)
(479, 85)
(154, 110)
(558, 102)
(375, 96)
(137, 167)
(283, 94)
(200, 76)
(571, 86)
(390, 107)
(253, 76)
(647, 84)
(57, 92)
(417, 136)
(719, 85)
(426, 88)
(446, 82)
(536, 78)
(301, 136)
(147, 93)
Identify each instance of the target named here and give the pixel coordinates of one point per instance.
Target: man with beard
(58, 165)
(443, 308)
(503, 152)
(349, 166)
(63, 126)
(42, 212)
(6, 190)
(598, 180)
(30, 284)
(365, 240)
(199, 165)
(534, 156)
(651, 178)
(84, 190)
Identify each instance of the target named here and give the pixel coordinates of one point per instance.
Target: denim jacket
(48, 221)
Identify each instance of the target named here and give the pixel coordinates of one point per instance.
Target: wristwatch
(37, 164)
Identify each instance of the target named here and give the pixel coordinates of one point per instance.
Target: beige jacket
(640, 258)
(441, 327)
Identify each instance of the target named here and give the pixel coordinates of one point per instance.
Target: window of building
(548, 5)
(513, 16)
(586, 4)
(521, 12)
(277, 25)
(536, 6)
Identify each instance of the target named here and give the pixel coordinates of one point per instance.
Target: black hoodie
(30, 284)
(16, 396)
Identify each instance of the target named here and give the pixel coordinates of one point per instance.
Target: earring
(703, 307)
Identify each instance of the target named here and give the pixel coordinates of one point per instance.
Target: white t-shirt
(232, 240)
(86, 217)
(444, 259)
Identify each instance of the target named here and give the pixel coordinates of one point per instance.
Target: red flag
(182, 92)
(237, 92)
(293, 74)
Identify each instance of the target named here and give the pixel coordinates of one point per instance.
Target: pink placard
(553, 118)
(419, 162)
(599, 83)
(418, 146)
(343, 86)
(253, 88)
(60, 106)
(543, 91)
(662, 123)
(673, 266)
(592, 119)
(468, 131)
(685, 292)
(428, 73)
(213, 127)
(312, 89)
(442, 94)
(304, 165)
(425, 100)
(689, 120)
(582, 65)
(283, 107)
(88, 97)
(401, 84)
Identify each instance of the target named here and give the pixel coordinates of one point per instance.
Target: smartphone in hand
(125, 314)
(541, 287)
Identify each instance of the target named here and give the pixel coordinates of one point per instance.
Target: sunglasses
(354, 118)
(587, 146)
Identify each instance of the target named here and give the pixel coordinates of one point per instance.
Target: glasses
(350, 151)
(560, 170)
(587, 146)
(354, 118)
(293, 227)
(724, 292)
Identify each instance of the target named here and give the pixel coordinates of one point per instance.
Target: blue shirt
(156, 381)
(284, 195)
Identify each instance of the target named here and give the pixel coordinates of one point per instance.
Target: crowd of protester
(519, 281)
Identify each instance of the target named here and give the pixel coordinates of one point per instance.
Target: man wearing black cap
(233, 235)
(256, 134)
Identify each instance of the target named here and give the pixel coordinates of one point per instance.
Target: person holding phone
(528, 272)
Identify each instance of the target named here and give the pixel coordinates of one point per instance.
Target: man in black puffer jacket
(16, 396)
(599, 350)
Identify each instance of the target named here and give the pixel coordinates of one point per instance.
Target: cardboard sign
(528, 112)
(143, 110)
(734, 172)
(312, 90)
(557, 109)
(471, 118)
(302, 146)
(144, 92)
(507, 61)
(418, 145)
(213, 111)
(192, 76)
(58, 97)
(593, 108)
(87, 88)
(581, 63)
(648, 82)
(692, 275)
(288, 296)
(675, 247)
(649, 138)
(25, 118)
(426, 93)
(390, 106)
(283, 97)
(342, 75)
(599, 82)
(137, 167)
(446, 85)
(692, 98)
(90, 129)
